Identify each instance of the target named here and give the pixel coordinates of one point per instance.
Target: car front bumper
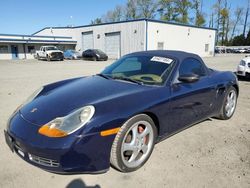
(69, 155)
(242, 71)
(56, 56)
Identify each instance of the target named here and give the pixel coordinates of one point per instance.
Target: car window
(147, 69)
(242, 62)
(130, 64)
(192, 66)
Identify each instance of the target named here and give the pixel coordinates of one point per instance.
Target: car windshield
(74, 52)
(99, 51)
(51, 48)
(242, 62)
(150, 70)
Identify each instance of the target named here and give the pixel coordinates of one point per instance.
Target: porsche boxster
(114, 118)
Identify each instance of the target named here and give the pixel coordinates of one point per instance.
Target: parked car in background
(95, 55)
(72, 54)
(81, 125)
(241, 50)
(49, 53)
(243, 69)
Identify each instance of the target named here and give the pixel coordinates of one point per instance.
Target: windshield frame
(48, 48)
(169, 69)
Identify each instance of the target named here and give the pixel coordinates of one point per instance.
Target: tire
(132, 135)
(229, 104)
(38, 57)
(48, 58)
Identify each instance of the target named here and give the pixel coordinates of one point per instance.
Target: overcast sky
(29, 16)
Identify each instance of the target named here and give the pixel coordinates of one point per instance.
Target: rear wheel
(229, 104)
(134, 143)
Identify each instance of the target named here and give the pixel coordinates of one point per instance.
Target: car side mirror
(188, 78)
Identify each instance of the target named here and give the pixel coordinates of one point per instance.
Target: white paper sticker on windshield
(162, 59)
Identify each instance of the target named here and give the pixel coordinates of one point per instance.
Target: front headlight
(63, 126)
(97, 55)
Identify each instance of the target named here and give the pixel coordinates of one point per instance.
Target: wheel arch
(155, 120)
(237, 88)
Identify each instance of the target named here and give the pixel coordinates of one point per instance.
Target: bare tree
(147, 8)
(167, 10)
(114, 15)
(211, 22)
(238, 18)
(131, 10)
(224, 15)
(228, 21)
(246, 17)
(217, 9)
(96, 21)
(199, 16)
(182, 9)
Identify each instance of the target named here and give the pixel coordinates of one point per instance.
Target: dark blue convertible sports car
(83, 125)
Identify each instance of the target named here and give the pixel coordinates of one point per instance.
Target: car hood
(52, 51)
(67, 97)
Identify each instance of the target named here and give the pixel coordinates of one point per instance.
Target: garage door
(87, 40)
(112, 45)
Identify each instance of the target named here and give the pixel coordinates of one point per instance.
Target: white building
(24, 46)
(120, 38)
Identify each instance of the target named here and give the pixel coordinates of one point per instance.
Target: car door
(87, 54)
(44, 52)
(190, 102)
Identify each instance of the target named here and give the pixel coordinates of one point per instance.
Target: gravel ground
(213, 153)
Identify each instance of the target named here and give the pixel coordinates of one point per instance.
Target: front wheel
(134, 143)
(48, 58)
(229, 104)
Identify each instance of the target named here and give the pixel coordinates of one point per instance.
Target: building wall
(29, 54)
(5, 55)
(176, 37)
(132, 35)
(65, 32)
(8, 54)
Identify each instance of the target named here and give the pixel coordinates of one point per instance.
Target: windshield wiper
(104, 76)
(127, 79)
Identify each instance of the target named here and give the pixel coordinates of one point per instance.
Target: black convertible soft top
(178, 55)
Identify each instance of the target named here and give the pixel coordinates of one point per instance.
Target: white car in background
(243, 69)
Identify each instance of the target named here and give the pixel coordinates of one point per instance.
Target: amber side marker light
(110, 131)
(51, 132)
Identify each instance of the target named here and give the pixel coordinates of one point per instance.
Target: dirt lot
(213, 153)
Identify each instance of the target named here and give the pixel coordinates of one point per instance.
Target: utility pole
(247, 14)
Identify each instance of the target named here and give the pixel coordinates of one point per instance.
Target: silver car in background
(72, 54)
(243, 69)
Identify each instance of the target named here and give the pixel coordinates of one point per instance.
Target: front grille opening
(43, 161)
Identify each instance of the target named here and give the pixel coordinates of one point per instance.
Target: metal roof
(29, 39)
(126, 21)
